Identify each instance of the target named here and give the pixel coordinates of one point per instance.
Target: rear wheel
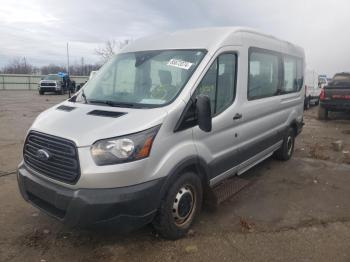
(286, 150)
(322, 113)
(180, 207)
(317, 102)
(307, 103)
(41, 93)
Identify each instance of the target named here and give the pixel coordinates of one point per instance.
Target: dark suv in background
(335, 96)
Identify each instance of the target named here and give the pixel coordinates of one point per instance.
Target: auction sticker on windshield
(179, 63)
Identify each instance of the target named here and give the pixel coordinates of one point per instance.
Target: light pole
(67, 59)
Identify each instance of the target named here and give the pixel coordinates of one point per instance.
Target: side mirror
(203, 112)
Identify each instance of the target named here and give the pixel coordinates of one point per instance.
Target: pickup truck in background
(335, 96)
(58, 83)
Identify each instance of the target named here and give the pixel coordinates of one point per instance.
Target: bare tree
(19, 66)
(110, 48)
(52, 69)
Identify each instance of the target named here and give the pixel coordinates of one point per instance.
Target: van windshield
(144, 79)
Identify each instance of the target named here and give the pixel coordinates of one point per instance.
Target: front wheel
(287, 148)
(180, 207)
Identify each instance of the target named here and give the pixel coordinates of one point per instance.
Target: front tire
(180, 207)
(285, 152)
(322, 113)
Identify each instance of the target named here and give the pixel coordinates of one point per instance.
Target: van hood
(85, 123)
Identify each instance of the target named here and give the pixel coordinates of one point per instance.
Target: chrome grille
(62, 161)
(48, 84)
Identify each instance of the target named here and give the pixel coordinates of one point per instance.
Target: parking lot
(291, 211)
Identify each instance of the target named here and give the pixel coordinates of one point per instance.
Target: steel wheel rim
(289, 145)
(184, 205)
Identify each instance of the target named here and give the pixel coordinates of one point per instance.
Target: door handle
(237, 116)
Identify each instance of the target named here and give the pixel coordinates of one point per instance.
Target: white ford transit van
(162, 123)
(312, 88)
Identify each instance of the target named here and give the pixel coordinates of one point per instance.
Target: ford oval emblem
(43, 155)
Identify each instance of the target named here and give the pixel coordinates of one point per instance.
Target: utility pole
(67, 59)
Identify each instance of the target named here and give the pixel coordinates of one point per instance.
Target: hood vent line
(65, 108)
(106, 113)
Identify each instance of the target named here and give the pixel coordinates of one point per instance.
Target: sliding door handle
(237, 116)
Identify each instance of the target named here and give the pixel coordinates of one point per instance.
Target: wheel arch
(296, 126)
(190, 164)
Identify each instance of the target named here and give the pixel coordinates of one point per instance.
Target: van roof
(210, 38)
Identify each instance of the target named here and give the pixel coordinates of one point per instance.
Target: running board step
(229, 188)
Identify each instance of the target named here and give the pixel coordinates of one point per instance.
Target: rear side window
(300, 74)
(293, 74)
(290, 83)
(263, 74)
(219, 83)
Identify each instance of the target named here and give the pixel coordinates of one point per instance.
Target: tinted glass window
(219, 83)
(300, 73)
(226, 81)
(263, 75)
(208, 85)
(290, 83)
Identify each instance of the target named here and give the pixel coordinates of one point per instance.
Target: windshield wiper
(112, 103)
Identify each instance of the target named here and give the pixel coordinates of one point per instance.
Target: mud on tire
(179, 207)
(285, 152)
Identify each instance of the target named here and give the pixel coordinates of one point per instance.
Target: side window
(290, 83)
(219, 82)
(300, 74)
(263, 75)
(208, 85)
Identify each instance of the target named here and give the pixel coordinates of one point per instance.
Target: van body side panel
(262, 127)
(218, 148)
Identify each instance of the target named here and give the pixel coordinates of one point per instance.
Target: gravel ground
(292, 211)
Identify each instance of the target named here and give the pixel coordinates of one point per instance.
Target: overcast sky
(40, 29)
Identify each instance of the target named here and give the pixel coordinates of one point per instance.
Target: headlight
(124, 149)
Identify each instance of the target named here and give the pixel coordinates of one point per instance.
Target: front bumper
(49, 88)
(124, 207)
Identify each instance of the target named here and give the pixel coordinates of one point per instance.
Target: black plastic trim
(65, 108)
(130, 206)
(41, 169)
(226, 162)
(104, 113)
(202, 169)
